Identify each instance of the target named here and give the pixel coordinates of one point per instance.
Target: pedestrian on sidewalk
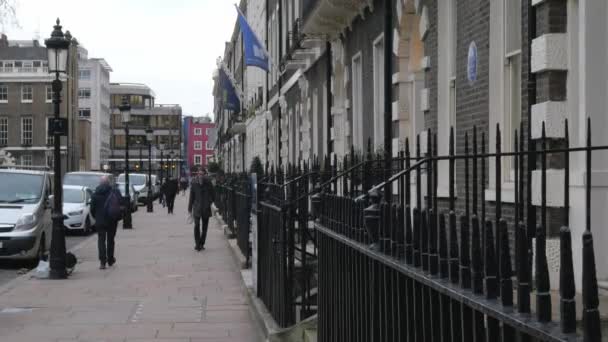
(183, 183)
(105, 222)
(171, 190)
(163, 190)
(202, 195)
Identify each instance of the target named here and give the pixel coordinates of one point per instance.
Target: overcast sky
(170, 45)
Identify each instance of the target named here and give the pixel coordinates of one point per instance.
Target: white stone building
(94, 105)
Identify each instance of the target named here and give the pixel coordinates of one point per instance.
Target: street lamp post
(171, 161)
(57, 48)
(149, 137)
(162, 163)
(125, 112)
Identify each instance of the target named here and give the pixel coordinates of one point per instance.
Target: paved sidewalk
(161, 289)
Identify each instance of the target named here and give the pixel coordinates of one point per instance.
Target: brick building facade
(458, 64)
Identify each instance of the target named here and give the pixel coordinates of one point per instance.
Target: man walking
(202, 194)
(183, 183)
(171, 190)
(101, 208)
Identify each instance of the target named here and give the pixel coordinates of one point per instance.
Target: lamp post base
(126, 222)
(58, 274)
(150, 207)
(57, 253)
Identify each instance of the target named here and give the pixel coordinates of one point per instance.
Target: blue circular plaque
(472, 63)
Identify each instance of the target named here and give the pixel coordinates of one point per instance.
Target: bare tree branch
(8, 14)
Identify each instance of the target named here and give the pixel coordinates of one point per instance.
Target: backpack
(112, 207)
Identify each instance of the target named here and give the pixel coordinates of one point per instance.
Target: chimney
(3, 41)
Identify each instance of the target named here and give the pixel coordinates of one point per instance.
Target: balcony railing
(24, 70)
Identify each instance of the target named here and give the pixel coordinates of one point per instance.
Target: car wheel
(40, 253)
(87, 226)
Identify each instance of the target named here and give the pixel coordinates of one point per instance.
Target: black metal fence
(287, 246)
(409, 270)
(234, 204)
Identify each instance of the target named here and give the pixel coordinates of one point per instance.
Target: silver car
(25, 214)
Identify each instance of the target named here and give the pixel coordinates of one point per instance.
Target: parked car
(155, 187)
(139, 182)
(77, 208)
(133, 202)
(25, 214)
(87, 179)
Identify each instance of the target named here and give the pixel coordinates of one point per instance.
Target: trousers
(170, 203)
(105, 242)
(200, 237)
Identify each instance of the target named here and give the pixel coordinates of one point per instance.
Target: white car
(77, 208)
(25, 214)
(139, 182)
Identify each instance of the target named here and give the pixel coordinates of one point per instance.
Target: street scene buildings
(163, 120)
(368, 170)
(349, 78)
(26, 104)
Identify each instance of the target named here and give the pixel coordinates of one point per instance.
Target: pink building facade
(199, 143)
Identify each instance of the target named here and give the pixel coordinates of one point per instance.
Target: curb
(261, 316)
(13, 283)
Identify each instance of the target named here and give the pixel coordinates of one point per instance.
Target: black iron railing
(287, 246)
(234, 204)
(418, 269)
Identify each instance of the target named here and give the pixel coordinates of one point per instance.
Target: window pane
(512, 25)
(3, 93)
(3, 131)
(27, 125)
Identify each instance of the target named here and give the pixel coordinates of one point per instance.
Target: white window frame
(198, 145)
(378, 86)
(23, 131)
(29, 161)
(82, 95)
(198, 159)
(81, 73)
(446, 89)
(3, 131)
(500, 97)
(5, 92)
(357, 101)
(80, 110)
(512, 89)
(208, 147)
(49, 91)
(49, 137)
(23, 93)
(198, 131)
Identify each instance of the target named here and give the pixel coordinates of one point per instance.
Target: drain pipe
(388, 96)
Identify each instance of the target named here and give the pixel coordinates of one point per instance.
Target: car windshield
(73, 196)
(133, 179)
(89, 181)
(20, 188)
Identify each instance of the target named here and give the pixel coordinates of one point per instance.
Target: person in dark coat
(202, 195)
(183, 183)
(171, 190)
(163, 190)
(106, 226)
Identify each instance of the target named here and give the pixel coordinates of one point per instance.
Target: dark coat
(98, 201)
(171, 188)
(202, 194)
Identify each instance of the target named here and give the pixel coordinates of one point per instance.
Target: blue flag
(230, 99)
(255, 53)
